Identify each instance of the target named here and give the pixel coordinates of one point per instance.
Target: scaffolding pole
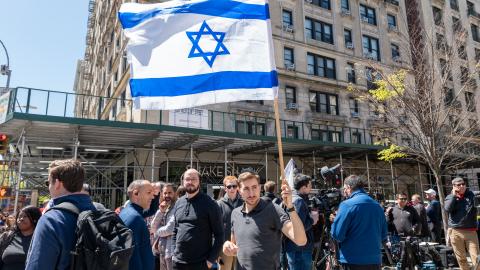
(226, 161)
(153, 161)
(341, 167)
(314, 168)
(393, 178)
(266, 164)
(420, 179)
(19, 177)
(75, 148)
(368, 172)
(168, 161)
(125, 178)
(191, 156)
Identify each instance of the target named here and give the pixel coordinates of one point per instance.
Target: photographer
(359, 227)
(460, 205)
(300, 257)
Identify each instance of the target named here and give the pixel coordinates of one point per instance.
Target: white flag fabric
(290, 172)
(192, 53)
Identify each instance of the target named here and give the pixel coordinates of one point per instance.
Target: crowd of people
(183, 228)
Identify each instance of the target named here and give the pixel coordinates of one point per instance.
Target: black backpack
(102, 241)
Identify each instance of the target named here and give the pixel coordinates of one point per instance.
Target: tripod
(326, 252)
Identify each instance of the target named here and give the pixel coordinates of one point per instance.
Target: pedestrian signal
(3, 144)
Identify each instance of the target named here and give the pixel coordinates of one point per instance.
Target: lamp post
(5, 69)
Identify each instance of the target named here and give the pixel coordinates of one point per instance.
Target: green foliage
(391, 153)
(389, 87)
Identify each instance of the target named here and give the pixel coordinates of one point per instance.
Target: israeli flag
(192, 53)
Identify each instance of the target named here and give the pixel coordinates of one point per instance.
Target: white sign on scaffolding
(4, 106)
(189, 117)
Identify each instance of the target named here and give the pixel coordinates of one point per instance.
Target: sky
(44, 40)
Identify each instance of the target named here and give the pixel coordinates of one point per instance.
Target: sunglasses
(460, 185)
(231, 186)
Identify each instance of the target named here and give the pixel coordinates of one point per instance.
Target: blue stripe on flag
(217, 8)
(178, 86)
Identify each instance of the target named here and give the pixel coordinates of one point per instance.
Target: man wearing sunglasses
(403, 216)
(460, 205)
(230, 201)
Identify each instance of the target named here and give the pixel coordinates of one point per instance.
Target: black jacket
(462, 211)
(405, 220)
(271, 197)
(198, 232)
(226, 207)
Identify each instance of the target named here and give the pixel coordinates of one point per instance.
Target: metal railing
(82, 106)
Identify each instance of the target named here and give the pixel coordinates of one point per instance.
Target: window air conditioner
(292, 106)
(349, 45)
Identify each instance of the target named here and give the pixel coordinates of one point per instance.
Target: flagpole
(279, 140)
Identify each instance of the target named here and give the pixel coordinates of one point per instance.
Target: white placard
(4, 106)
(190, 117)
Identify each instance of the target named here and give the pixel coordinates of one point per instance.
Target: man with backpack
(54, 236)
(141, 194)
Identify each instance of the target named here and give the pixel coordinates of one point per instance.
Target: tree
(420, 109)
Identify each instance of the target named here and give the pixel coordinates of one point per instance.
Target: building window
(371, 49)
(351, 78)
(347, 35)
(319, 30)
(462, 52)
(321, 66)
(445, 69)
(326, 133)
(449, 96)
(290, 95)
(292, 132)
(395, 51)
(368, 14)
(464, 75)
(437, 16)
(471, 8)
(357, 137)
(123, 97)
(322, 3)
(288, 58)
(477, 54)
(324, 103)
(371, 76)
(287, 18)
(456, 24)
(475, 35)
(392, 21)
(441, 42)
(250, 128)
(470, 101)
(345, 4)
(354, 109)
(454, 4)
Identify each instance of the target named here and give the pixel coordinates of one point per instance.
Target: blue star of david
(196, 51)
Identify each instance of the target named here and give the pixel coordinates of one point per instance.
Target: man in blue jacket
(141, 194)
(54, 235)
(359, 228)
(300, 257)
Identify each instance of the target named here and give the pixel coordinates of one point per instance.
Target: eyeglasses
(231, 186)
(402, 199)
(460, 185)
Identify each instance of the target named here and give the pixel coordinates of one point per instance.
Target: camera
(325, 200)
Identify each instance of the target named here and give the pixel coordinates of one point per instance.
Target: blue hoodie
(360, 228)
(54, 235)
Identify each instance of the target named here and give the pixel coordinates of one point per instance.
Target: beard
(192, 189)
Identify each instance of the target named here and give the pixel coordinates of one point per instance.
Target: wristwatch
(291, 209)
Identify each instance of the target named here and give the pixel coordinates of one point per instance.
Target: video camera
(331, 176)
(325, 200)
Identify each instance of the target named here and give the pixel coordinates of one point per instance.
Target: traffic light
(3, 144)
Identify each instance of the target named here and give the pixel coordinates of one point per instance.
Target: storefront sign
(191, 118)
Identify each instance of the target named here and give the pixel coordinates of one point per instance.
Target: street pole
(19, 177)
(8, 71)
